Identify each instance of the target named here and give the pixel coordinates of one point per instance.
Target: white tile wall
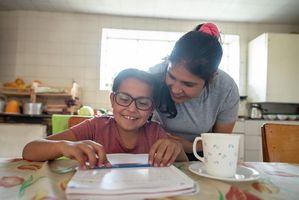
(58, 48)
(8, 45)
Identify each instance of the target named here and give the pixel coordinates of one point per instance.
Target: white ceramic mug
(220, 153)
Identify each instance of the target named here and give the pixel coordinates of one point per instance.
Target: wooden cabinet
(273, 68)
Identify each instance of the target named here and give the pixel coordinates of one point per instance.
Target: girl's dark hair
(201, 53)
(139, 75)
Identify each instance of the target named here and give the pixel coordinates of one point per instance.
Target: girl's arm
(66, 144)
(182, 157)
(49, 148)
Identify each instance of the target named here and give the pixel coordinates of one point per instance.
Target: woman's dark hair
(201, 53)
(197, 27)
(139, 75)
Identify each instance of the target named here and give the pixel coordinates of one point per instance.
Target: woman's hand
(165, 151)
(85, 151)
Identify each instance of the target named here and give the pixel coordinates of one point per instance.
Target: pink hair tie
(210, 29)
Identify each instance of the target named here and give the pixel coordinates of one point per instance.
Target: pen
(124, 165)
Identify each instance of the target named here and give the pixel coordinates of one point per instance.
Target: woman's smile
(177, 95)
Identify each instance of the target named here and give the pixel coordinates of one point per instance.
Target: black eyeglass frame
(132, 99)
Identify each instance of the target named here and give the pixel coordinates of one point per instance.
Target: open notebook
(134, 182)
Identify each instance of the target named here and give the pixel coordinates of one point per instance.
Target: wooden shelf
(23, 92)
(59, 97)
(3, 114)
(53, 95)
(15, 91)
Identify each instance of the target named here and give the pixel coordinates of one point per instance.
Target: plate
(243, 173)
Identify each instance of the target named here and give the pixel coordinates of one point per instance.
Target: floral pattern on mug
(220, 155)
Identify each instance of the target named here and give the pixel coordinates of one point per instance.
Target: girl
(128, 131)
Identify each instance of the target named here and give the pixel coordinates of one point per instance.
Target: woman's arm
(218, 128)
(66, 144)
(223, 127)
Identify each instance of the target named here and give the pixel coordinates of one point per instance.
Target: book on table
(129, 178)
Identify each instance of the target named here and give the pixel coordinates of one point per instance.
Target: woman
(196, 97)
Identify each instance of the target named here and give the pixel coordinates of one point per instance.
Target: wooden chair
(280, 143)
(74, 120)
(63, 122)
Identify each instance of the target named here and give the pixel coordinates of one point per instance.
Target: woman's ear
(213, 76)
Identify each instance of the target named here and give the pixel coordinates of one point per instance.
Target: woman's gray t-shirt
(198, 115)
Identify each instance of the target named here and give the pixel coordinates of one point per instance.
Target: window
(132, 48)
(143, 49)
(230, 62)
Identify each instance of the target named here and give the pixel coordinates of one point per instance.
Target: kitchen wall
(8, 45)
(57, 48)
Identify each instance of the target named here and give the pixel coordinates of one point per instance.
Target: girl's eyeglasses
(141, 103)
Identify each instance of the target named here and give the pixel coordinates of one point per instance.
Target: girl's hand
(164, 152)
(187, 145)
(85, 151)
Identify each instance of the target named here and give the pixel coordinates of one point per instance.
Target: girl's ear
(111, 98)
(152, 111)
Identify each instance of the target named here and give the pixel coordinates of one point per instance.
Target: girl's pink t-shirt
(103, 130)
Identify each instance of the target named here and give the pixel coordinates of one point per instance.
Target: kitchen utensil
(270, 116)
(2, 102)
(292, 117)
(282, 117)
(12, 106)
(32, 108)
(256, 111)
(243, 111)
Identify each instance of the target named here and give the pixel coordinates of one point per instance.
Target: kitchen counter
(242, 118)
(27, 119)
(14, 136)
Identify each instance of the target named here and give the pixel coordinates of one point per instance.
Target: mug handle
(195, 150)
